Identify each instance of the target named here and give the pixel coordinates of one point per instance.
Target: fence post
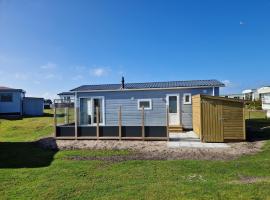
(167, 122)
(55, 120)
(143, 130)
(76, 116)
(66, 115)
(248, 114)
(120, 123)
(97, 119)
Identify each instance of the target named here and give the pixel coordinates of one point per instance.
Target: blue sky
(50, 46)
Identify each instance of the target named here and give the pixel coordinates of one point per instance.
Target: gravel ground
(154, 150)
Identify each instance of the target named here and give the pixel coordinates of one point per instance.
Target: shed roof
(152, 85)
(8, 89)
(66, 93)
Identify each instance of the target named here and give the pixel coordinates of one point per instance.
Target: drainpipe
(213, 91)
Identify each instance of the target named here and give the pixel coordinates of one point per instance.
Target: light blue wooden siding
(216, 91)
(12, 107)
(131, 116)
(33, 106)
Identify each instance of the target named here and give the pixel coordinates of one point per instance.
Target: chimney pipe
(123, 82)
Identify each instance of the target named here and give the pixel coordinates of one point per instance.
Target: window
(6, 97)
(146, 103)
(172, 104)
(187, 98)
(88, 110)
(97, 104)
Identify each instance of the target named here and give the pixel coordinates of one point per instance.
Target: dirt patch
(118, 158)
(155, 150)
(250, 180)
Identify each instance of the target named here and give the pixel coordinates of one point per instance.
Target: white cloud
(48, 95)
(36, 82)
(49, 76)
(230, 87)
(78, 77)
(20, 76)
(49, 65)
(227, 83)
(242, 23)
(121, 73)
(79, 68)
(53, 76)
(99, 71)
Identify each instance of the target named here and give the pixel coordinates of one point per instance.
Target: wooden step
(176, 128)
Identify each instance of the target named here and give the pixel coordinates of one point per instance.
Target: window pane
(85, 111)
(145, 104)
(187, 98)
(98, 103)
(172, 104)
(6, 97)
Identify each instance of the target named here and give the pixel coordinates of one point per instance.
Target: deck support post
(120, 123)
(143, 130)
(54, 119)
(66, 115)
(76, 116)
(244, 122)
(97, 119)
(167, 122)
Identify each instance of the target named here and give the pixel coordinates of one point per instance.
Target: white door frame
(174, 118)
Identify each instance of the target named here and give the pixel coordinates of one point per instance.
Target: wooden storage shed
(218, 119)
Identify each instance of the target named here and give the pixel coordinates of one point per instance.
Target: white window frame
(184, 98)
(140, 100)
(103, 111)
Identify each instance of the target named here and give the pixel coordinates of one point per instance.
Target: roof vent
(123, 83)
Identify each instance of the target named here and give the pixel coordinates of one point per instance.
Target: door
(86, 111)
(98, 103)
(173, 106)
(212, 121)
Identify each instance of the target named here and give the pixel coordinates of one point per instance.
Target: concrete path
(191, 140)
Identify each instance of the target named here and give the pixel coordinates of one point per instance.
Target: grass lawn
(255, 114)
(28, 172)
(26, 129)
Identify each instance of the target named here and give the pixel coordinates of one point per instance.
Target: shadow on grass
(258, 129)
(44, 115)
(18, 117)
(24, 155)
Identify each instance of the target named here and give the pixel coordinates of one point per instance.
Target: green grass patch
(255, 114)
(26, 129)
(29, 172)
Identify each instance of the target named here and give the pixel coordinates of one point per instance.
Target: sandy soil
(154, 150)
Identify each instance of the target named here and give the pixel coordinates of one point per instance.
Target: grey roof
(149, 85)
(66, 93)
(8, 89)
